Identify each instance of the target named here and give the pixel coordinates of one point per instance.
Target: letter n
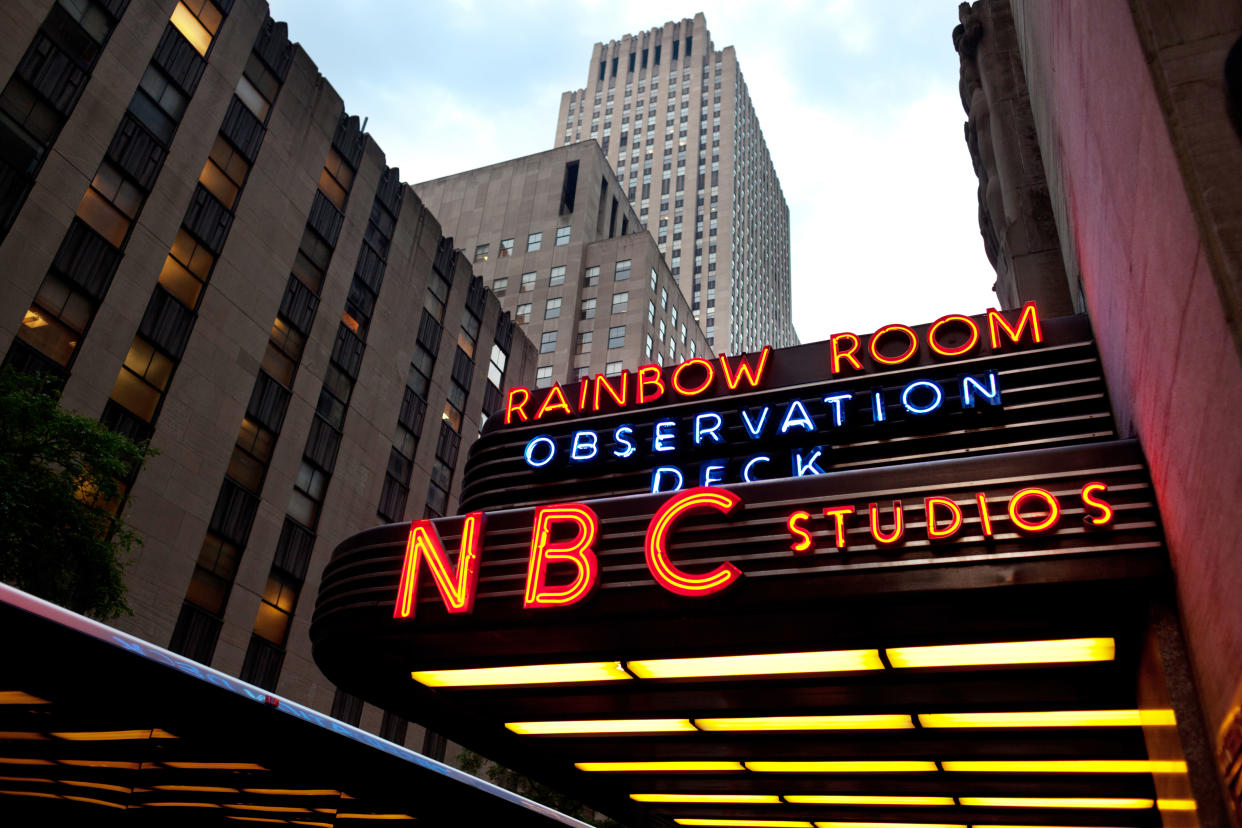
(457, 589)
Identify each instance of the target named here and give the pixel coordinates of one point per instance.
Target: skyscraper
(705, 187)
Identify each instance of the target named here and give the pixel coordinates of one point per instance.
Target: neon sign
(812, 529)
(892, 345)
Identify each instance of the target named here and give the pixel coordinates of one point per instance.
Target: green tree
(60, 483)
(477, 765)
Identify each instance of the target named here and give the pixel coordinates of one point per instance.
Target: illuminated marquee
(825, 529)
(949, 337)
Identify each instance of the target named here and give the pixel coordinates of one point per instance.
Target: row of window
(534, 242)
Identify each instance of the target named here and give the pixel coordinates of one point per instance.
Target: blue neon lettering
(937, 399)
(992, 393)
(657, 477)
(803, 420)
(878, 414)
(622, 436)
(664, 436)
(802, 467)
(755, 429)
(530, 451)
(714, 431)
(751, 463)
(712, 474)
(835, 400)
(584, 450)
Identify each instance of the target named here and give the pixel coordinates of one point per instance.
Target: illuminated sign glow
(1031, 510)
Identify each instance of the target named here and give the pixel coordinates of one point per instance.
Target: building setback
(207, 251)
(561, 246)
(704, 186)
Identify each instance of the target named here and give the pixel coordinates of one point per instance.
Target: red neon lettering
(838, 515)
(583, 388)
(803, 543)
(648, 377)
(847, 354)
(898, 530)
(576, 552)
(516, 404)
(996, 323)
(753, 376)
(970, 343)
(456, 589)
(655, 546)
(554, 401)
(934, 532)
(985, 519)
(874, 350)
(708, 378)
(1106, 511)
(1051, 506)
(601, 382)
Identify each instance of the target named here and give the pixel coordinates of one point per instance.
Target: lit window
(224, 172)
(110, 204)
(336, 179)
(198, 21)
(186, 269)
(480, 252)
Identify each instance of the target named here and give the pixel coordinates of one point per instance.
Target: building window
(557, 276)
(224, 172)
(528, 282)
(616, 337)
(522, 314)
(588, 309)
(654, 275)
(534, 241)
(552, 309)
(499, 286)
(650, 311)
(506, 248)
(562, 236)
(198, 21)
(335, 179)
(663, 298)
(543, 376)
(591, 276)
(480, 252)
(110, 204)
(584, 342)
(612, 369)
(647, 347)
(547, 344)
(623, 270)
(620, 302)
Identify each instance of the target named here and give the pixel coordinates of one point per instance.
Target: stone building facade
(676, 122)
(207, 251)
(559, 243)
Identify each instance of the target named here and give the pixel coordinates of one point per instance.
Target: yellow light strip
(707, 799)
(766, 664)
(523, 674)
(844, 766)
(18, 697)
(1009, 652)
(100, 763)
(744, 823)
(111, 735)
(40, 794)
(880, 721)
(1051, 718)
(1055, 802)
(885, 825)
(665, 766)
(1066, 766)
(21, 736)
(103, 786)
(1176, 804)
(852, 799)
(601, 726)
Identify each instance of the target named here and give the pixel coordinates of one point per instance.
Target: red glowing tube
(576, 551)
(457, 589)
(656, 543)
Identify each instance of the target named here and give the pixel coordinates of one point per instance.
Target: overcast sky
(857, 99)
